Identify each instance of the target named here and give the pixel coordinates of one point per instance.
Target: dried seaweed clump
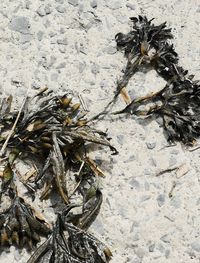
(67, 243)
(53, 133)
(19, 225)
(146, 45)
(178, 102)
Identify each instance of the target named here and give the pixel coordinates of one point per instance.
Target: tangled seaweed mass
(178, 102)
(53, 133)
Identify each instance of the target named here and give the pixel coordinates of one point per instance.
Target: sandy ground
(70, 46)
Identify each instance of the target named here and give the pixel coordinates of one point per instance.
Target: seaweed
(177, 104)
(146, 45)
(68, 243)
(56, 131)
(53, 133)
(19, 225)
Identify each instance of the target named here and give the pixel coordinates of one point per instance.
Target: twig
(172, 189)
(167, 171)
(13, 128)
(82, 102)
(194, 149)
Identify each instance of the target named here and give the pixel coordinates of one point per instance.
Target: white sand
(73, 47)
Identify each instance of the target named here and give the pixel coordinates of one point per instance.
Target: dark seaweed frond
(68, 243)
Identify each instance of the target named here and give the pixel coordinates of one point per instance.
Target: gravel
(70, 46)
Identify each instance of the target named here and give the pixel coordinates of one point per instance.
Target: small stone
(151, 145)
(165, 239)
(61, 65)
(54, 77)
(93, 4)
(136, 237)
(98, 226)
(145, 198)
(161, 248)
(47, 10)
(110, 50)
(196, 245)
(41, 11)
(63, 41)
(151, 248)
(130, 159)
(174, 151)
(133, 182)
(114, 5)
(198, 201)
(81, 67)
(20, 24)
(28, 4)
(40, 35)
(175, 202)
(131, 6)
(73, 2)
(120, 139)
(62, 49)
(25, 38)
(172, 161)
(61, 9)
(140, 252)
(95, 69)
(161, 199)
(167, 253)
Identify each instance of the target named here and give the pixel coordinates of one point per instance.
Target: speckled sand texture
(69, 45)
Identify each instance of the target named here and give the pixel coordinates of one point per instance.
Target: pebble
(61, 65)
(161, 248)
(145, 198)
(161, 199)
(98, 226)
(81, 66)
(151, 145)
(20, 24)
(93, 4)
(175, 152)
(130, 159)
(73, 2)
(165, 239)
(28, 4)
(140, 252)
(136, 237)
(133, 182)
(54, 77)
(151, 248)
(110, 50)
(47, 10)
(40, 35)
(25, 38)
(131, 6)
(172, 161)
(95, 69)
(167, 253)
(62, 49)
(61, 9)
(60, 1)
(63, 41)
(41, 11)
(114, 5)
(196, 245)
(120, 139)
(175, 202)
